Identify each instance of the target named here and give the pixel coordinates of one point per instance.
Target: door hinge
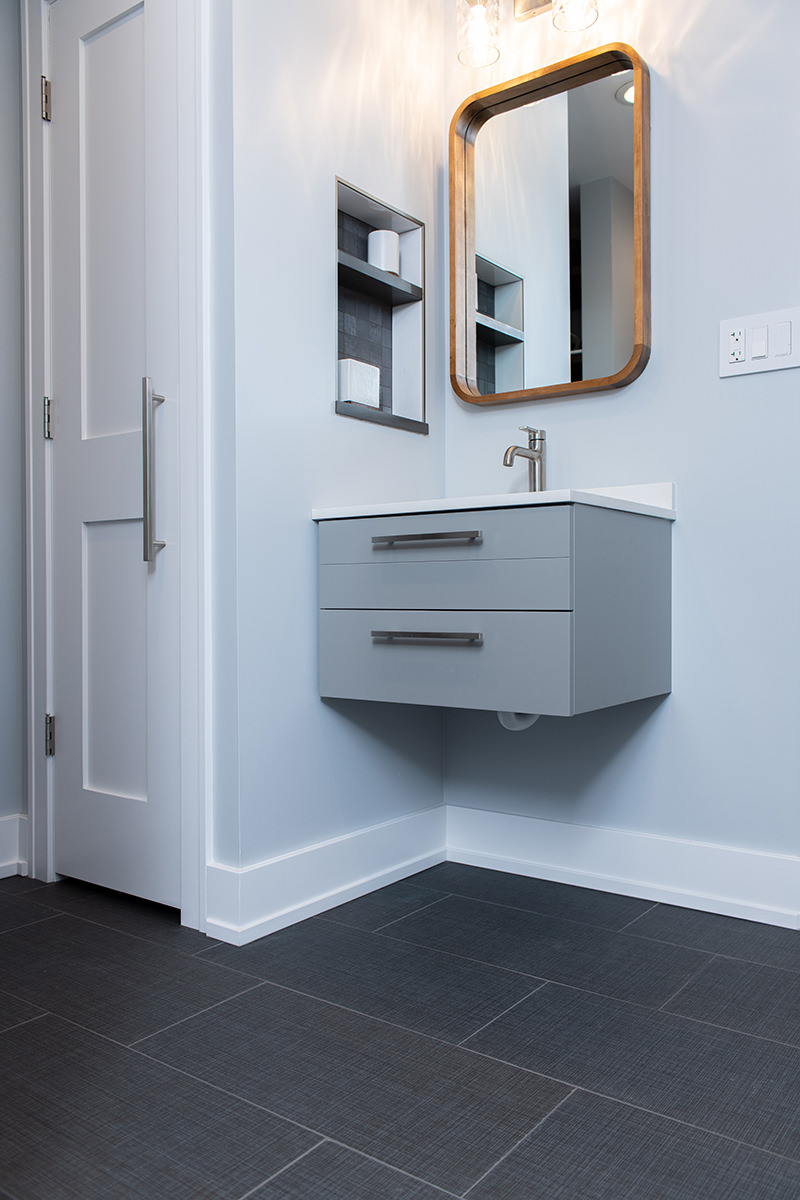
(49, 735)
(45, 98)
(47, 429)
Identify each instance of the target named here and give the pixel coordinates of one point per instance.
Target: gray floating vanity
(552, 603)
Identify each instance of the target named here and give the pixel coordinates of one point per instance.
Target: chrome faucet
(534, 455)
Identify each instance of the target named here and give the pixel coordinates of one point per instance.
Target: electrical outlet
(736, 346)
(760, 342)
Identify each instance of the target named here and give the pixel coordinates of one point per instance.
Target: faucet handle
(534, 433)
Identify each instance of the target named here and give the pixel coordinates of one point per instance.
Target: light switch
(759, 342)
(783, 338)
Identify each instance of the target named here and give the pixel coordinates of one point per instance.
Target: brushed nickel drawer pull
(411, 635)
(456, 535)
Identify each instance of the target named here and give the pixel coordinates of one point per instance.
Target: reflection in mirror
(550, 278)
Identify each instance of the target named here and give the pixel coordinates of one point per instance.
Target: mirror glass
(554, 263)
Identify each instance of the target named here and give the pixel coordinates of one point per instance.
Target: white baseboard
(249, 902)
(719, 879)
(13, 845)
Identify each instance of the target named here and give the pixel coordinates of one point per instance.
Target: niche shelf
(381, 316)
(499, 328)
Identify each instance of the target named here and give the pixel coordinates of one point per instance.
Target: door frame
(192, 23)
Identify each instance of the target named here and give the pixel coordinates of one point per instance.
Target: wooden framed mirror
(550, 231)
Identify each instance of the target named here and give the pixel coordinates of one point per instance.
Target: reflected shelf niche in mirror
(550, 177)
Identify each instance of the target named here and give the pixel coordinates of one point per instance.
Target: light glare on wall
(478, 32)
(574, 15)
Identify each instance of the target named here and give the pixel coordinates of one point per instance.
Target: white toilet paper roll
(383, 250)
(515, 722)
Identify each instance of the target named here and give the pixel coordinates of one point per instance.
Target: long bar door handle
(455, 535)
(412, 635)
(150, 402)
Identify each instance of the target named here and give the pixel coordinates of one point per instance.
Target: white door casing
(123, 638)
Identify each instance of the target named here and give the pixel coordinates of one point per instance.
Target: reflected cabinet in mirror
(550, 231)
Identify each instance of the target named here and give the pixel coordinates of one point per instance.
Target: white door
(114, 305)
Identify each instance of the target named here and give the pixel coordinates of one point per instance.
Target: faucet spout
(534, 454)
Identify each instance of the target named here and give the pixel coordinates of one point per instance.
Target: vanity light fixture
(626, 94)
(568, 15)
(478, 32)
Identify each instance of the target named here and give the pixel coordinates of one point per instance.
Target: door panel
(116, 669)
(112, 219)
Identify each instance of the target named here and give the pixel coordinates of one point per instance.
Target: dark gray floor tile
(93, 1120)
(114, 984)
(335, 1173)
(129, 914)
(16, 885)
(425, 990)
(766, 944)
(764, 1001)
(14, 1012)
(442, 1114)
(605, 909)
(381, 907)
(596, 1149)
(549, 948)
(726, 1082)
(16, 911)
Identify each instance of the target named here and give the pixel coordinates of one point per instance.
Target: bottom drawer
(513, 661)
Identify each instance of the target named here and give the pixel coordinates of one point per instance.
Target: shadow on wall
(407, 734)
(558, 758)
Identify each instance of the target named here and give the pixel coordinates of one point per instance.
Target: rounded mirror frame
(469, 118)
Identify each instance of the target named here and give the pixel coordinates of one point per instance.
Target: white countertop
(651, 499)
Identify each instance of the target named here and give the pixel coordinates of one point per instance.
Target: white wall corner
(13, 845)
(249, 902)
(752, 884)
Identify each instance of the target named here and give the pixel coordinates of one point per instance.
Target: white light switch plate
(735, 359)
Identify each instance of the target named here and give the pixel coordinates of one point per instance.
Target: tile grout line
(416, 912)
(286, 1167)
(517, 1144)
(462, 1044)
(653, 906)
(579, 1087)
(653, 1112)
(257, 983)
(684, 985)
(533, 912)
(399, 1170)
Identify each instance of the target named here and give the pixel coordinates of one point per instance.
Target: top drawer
(538, 532)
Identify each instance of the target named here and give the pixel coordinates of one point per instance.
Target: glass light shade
(478, 32)
(573, 15)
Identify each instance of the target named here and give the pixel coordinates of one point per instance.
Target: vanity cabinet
(550, 608)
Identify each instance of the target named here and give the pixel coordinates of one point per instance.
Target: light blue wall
(719, 760)
(12, 624)
(350, 88)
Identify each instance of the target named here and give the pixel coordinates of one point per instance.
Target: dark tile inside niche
(352, 235)
(371, 338)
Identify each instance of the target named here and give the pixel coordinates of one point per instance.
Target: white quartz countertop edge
(650, 499)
